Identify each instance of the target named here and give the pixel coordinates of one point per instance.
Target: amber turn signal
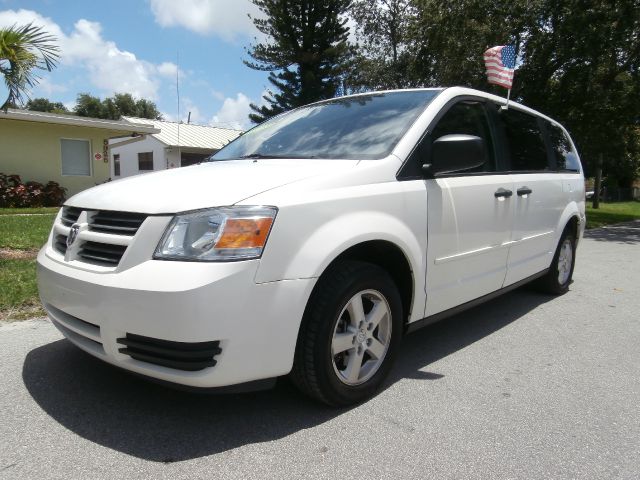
(245, 233)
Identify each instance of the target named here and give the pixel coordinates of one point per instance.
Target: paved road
(527, 386)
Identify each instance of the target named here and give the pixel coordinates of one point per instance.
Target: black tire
(551, 282)
(316, 370)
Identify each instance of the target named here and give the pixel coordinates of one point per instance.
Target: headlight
(217, 235)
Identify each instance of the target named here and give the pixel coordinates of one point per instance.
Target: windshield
(360, 127)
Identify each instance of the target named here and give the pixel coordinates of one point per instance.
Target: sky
(141, 46)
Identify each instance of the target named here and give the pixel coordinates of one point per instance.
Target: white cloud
(189, 106)
(169, 70)
(217, 95)
(234, 113)
(186, 105)
(219, 17)
(169, 117)
(47, 87)
(110, 69)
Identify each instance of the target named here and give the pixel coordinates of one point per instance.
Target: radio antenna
(178, 96)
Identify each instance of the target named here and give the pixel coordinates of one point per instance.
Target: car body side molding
(418, 324)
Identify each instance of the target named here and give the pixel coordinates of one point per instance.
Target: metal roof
(189, 134)
(76, 121)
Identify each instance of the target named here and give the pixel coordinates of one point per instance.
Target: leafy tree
(89, 106)
(125, 104)
(449, 38)
(578, 61)
(115, 107)
(109, 109)
(45, 105)
(582, 66)
(22, 51)
(147, 109)
(306, 52)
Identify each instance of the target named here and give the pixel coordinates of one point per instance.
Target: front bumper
(256, 325)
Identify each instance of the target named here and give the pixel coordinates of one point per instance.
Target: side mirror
(452, 153)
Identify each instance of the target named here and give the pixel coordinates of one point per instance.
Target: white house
(177, 145)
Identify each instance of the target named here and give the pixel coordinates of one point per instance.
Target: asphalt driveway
(527, 386)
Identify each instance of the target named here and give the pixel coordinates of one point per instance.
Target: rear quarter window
(566, 158)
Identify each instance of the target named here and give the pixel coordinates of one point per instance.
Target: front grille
(60, 243)
(105, 240)
(70, 215)
(177, 355)
(119, 223)
(102, 253)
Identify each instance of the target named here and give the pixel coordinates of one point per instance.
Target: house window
(76, 157)
(145, 161)
(116, 164)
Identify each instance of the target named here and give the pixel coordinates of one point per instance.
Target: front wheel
(349, 334)
(558, 278)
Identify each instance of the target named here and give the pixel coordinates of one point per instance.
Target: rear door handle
(503, 193)
(524, 191)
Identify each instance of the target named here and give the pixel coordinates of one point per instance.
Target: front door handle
(524, 191)
(503, 193)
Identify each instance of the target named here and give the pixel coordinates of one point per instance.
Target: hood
(201, 186)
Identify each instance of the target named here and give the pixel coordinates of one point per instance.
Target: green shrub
(14, 193)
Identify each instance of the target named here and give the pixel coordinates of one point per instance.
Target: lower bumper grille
(84, 334)
(177, 355)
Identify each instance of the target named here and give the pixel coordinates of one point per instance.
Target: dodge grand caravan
(312, 243)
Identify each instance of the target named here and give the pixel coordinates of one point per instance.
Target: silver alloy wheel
(361, 337)
(565, 259)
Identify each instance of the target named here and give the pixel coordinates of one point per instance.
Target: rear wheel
(349, 334)
(558, 278)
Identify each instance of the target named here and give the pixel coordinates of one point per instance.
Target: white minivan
(312, 243)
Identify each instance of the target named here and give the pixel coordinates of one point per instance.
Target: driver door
(470, 215)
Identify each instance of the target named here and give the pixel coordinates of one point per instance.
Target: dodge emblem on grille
(73, 234)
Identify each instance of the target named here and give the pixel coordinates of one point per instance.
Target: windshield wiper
(260, 155)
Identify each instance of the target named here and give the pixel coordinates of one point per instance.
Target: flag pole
(506, 107)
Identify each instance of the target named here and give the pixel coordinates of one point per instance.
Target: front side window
(565, 156)
(145, 161)
(116, 164)
(76, 157)
(524, 141)
(467, 118)
(358, 128)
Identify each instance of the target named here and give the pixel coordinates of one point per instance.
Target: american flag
(500, 63)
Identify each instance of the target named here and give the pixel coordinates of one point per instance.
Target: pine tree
(383, 59)
(306, 52)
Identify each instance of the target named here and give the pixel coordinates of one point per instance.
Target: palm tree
(23, 50)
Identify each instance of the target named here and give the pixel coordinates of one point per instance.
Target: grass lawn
(40, 210)
(18, 290)
(20, 238)
(28, 232)
(612, 213)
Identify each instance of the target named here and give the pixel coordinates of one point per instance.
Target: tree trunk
(597, 186)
